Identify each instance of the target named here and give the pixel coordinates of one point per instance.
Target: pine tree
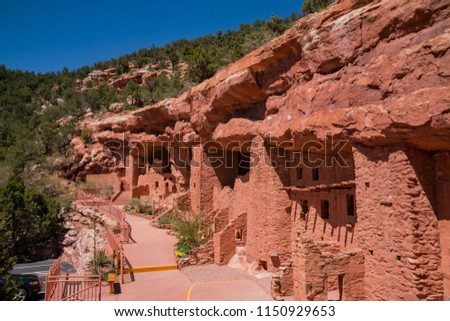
(311, 6)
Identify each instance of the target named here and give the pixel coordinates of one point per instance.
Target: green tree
(202, 64)
(122, 65)
(162, 87)
(135, 92)
(100, 98)
(12, 205)
(277, 25)
(173, 56)
(7, 261)
(49, 137)
(27, 217)
(53, 223)
(311, 6)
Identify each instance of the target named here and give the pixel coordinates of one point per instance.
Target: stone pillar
(269, 221)
(202, 183)
(397, 226)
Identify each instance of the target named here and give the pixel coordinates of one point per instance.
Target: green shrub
(87, 185)
(183, 247)
(85, 135)
(99, 189)
(192, 230)
(100, 98)
(101, 265)
(311, 6)
(134, 92)
(129, 107)
(180, 205)
(137, 206)
(168, 218)
(163, 87)
(102, 259)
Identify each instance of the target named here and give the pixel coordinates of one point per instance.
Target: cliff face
(373, 73)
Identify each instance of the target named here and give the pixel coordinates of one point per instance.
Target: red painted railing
(115, 250)
(71, 287)
(108, 209)
(113, 212)
(50, 287)
(74, 288)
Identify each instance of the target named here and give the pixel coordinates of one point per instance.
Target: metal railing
(115, 250)
(118, 215)
(114, 246)
(50, 287)
(109, 210)
(71, 287)
(113, 212)
(75, 288)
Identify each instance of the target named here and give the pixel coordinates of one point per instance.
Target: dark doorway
(315, 174)
(350, 205)
(325, 211)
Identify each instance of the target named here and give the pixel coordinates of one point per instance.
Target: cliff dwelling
(326, 151)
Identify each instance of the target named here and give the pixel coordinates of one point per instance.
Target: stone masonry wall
(268, 225)
(397, 228)
(323, 272)
(442, 170)
(226, 241)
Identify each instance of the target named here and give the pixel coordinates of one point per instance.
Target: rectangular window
(325, 211)
(263, 264)
(299, 173)
(350, 205)
(315, 174)
(239, 236)
(156, 184)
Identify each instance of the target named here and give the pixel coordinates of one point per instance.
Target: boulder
(116, 107)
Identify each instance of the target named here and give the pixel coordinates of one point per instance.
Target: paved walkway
(233, 290)
(154, 247)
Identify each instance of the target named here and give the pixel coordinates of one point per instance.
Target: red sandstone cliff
(373, 71)
(376, 73)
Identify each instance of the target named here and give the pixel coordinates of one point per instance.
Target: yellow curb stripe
(188, 297)
(150, 269)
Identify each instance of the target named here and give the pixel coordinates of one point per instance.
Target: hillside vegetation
(39, 113)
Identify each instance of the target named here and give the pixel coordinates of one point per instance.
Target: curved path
(154, 247)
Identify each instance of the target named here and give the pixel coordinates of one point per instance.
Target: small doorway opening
(350, 205)
(315, 174)
(239, 235)
(325, 210)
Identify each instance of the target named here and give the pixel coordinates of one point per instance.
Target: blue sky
(46, 35)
